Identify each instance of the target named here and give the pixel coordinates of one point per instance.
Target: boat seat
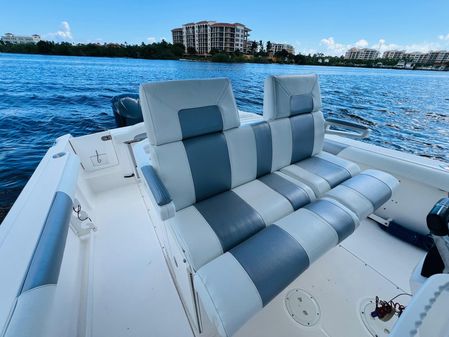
(216, 172)
(245, 224)
(292, 107)
(236, 285)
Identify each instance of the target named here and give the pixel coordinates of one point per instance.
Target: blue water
(43, 97)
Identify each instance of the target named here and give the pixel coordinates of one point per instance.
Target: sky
(312, 26)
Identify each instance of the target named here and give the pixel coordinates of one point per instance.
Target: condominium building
(437, 57)
(277, 47)
(177, 36)
(417, 57)
(17, 39)
(362, 54)
(394, 54)
(205, 36)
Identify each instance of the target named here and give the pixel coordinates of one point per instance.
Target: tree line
(161, 50)
(258, 52)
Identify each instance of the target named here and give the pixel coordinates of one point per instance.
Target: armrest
(159, 195)
(354, 130)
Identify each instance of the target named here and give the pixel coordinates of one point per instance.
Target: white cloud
(423, 47)
(333, 48)
(63, 34)
(383, 46)
(362, 43)
(151, 39)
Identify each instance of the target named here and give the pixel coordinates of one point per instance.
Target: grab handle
(350, 129)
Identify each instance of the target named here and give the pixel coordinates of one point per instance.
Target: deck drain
(302, 307)
(375, 326)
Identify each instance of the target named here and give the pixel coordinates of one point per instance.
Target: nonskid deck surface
(133, 294)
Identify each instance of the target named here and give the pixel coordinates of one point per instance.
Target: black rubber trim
(156, 185)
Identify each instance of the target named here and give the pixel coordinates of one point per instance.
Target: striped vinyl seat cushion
(236, 285)
(215, 225)
(239, 283)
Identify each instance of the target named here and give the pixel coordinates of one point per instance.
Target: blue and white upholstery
(239, 283)
(251, 207)
(217, 174)
(292, 106)
(364, 193)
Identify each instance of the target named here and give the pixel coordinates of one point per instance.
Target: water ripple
(44, 97)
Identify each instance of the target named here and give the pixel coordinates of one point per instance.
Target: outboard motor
(127, 109)
(437, 259)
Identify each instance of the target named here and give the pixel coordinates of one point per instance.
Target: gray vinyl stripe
(262, 133)
(231, 218)
(334, 174)
(156, 185)
(303, 135)
(301, 104)
(273, 259)
(46, 261)
(333, 147)
(297, 196)
(375, 190)
(209, 163)
(339, 219)
(200, 121)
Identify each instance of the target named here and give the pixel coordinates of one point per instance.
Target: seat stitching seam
(248, 278)
(359, 193)
(292, 237)
(369, 175)
(344, 168)
(216, 236)
(352, 220)
(293, 185)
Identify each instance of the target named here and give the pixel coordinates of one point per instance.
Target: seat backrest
(185, 121)
(292, 107)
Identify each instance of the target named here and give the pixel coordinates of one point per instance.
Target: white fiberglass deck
(133, 294)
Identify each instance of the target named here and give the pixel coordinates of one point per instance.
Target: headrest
(176, 110)
(286, 96)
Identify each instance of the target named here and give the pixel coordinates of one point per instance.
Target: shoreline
(208, 59)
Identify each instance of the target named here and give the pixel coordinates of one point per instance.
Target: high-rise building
(394, 54)
(437, 57)
(205, 36)
(277, 47)
(362, 54)
(18, 39)
(417, 57)
(177, 36)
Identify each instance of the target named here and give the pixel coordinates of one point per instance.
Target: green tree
(221, 57)
(191, 51)
(261, 46)
(269, 46)
(253, 47)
